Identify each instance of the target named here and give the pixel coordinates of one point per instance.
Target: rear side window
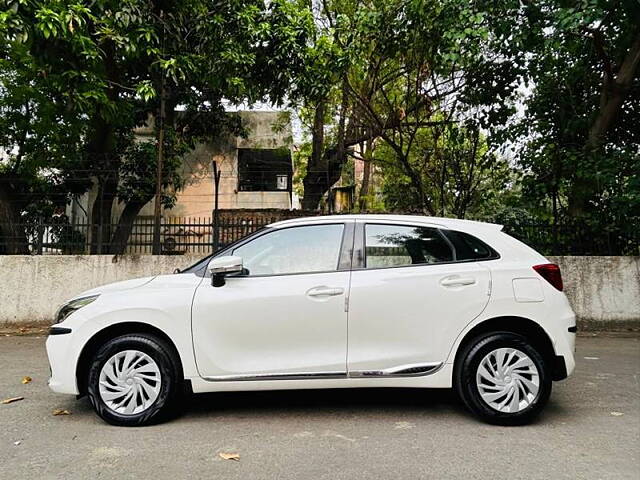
(469, 247)
(398, 245)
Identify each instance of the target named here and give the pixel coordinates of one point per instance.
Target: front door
(285, 317)
(409, 300)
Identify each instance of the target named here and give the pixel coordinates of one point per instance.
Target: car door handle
(325, 292)
(457, 281)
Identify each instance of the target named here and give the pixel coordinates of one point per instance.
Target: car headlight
(68, 308)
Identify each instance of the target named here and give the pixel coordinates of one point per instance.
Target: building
(256, 172)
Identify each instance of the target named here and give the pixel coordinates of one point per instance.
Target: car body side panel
(554, 314)
(164, 303)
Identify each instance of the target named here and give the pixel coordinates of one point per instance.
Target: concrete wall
(34, 286)
(604, 291)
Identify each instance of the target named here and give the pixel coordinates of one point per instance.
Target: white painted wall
(604, 291)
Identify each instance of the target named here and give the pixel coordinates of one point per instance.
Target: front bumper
(62, 362)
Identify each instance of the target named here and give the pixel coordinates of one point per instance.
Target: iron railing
(196, 235)
(178, 235)
(574, 238)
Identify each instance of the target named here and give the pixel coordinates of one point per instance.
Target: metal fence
(577, 238)
(178, 235)
(195, 235)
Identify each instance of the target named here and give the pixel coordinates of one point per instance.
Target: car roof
(453, 223)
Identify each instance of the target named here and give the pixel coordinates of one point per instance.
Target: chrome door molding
(410, 370)
(277, 376)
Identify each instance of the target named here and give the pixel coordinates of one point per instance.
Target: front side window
(397, 245)
(307, 249)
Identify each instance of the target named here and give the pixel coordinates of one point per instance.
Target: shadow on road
(330, 401)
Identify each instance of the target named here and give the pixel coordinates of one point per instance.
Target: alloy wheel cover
(129, 382)
(508, 380)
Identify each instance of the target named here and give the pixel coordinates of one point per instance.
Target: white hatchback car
(327, 302)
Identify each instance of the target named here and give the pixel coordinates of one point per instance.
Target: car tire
(134, 380)
(503, 379)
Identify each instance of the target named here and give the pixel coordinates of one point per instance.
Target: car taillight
(551, 273)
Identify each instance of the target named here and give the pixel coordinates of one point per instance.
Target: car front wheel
(503, 379)
(134, 380)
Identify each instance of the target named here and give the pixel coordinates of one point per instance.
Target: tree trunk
(315, 180)
(123, 230)
(13, 238)
(366, 177)
(105, 163)
(614, 92)
(101, 213)
(101, 151)
(323, 170)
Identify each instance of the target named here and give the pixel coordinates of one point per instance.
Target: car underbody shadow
(321, 401)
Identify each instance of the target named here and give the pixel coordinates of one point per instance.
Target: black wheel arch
(529, 329)
(113, 331)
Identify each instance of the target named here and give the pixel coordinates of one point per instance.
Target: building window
(264, 170)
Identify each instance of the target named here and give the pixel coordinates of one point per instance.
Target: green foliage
(300, 160)
(449, 169)
(569, 54)
(139, 165)
(553, 81)
(103, 67)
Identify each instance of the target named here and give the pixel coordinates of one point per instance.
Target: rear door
(409, 298)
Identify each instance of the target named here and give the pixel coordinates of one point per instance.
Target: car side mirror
(221, 267)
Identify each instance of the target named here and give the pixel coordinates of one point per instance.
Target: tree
(394, 65)
(39, 143)
(448, 171)
(575, 136)
(116, 60)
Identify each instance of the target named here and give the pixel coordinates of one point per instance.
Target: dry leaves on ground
(26, 380)
(230, 456)
(12, 399)
(61, 411)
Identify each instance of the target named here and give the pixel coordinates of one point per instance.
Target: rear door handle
(325, 292)
(457, 281)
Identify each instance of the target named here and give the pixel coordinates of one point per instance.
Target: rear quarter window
(468, 247)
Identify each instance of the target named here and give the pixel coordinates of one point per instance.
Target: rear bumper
(565, 347)
(559, 368)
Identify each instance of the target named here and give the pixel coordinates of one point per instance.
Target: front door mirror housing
(220, 267)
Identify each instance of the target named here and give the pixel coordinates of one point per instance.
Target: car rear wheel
(503, 379)
(134, 380)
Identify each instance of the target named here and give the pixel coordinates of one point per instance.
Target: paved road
(337, 434)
